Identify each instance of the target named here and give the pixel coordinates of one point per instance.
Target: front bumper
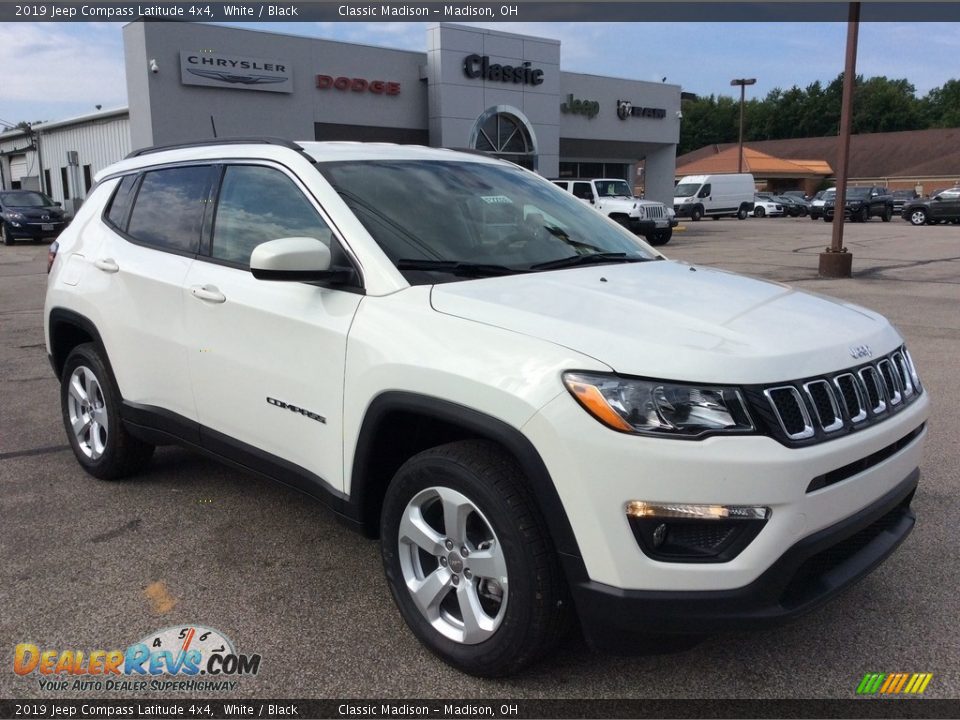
(651, 225)
(35, 231)
(808, 574)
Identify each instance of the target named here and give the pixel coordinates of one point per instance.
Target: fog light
(673, 532)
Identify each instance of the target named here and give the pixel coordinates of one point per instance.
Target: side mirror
(300, 259)
(58, 203)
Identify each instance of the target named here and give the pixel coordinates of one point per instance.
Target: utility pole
(836, 261)
(742, 82)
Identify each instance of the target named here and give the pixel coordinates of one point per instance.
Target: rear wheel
(742, 213)
(90, 404)
(469, 559)
(918, 217)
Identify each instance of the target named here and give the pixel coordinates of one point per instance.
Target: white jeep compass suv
(537, 414)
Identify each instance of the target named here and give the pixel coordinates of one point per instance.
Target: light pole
(742, 82)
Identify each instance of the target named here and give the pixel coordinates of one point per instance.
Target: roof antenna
(214, 126)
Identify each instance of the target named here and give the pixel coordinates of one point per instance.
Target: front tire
(90, 404)
(660, 237)
(469, 559)
(918, 217)
(759, 212)
(887, 214)
(5, 233)
(696, 214)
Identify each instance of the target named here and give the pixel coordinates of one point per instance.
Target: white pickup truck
(613, 197)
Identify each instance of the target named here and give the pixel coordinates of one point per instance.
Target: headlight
(653, 407)
(19, 217)
(671, 213)
(641, 212)
(689, 199)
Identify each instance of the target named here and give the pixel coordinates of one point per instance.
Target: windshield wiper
(456, 267)
(590, 259)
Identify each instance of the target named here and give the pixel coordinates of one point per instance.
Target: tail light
(52, 254)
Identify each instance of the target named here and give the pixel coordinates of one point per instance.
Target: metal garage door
(18, 167)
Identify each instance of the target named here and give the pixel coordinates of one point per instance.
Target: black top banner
(517, 11)
(501, 708)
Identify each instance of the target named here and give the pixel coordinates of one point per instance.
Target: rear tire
(742, 213)
(509, 604)
(90, 404)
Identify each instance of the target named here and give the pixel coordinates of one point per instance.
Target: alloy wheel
(87, 411)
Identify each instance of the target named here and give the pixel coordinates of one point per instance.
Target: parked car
(763, 207)
(537, 414)
(796, 194)
(900, 198)
(861, 204)
(792, 205)
(613, 198)
(943, 207)
(816, 205)
(29, 214)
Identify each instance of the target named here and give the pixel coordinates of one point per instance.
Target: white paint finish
(672, 321)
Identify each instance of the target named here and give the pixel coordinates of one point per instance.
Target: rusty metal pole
(742, 82)
(836, 261)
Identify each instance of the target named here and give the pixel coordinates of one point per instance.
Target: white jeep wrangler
(613, 197)
(537, 414)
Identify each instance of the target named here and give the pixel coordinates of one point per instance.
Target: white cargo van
(716, 196)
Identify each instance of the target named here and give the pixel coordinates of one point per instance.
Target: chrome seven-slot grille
(654, 211)
(821, 408)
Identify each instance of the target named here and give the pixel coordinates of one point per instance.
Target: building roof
(76, 120)
(758, 163)
(908, 154)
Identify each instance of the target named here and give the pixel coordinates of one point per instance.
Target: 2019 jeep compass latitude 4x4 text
(536, 413)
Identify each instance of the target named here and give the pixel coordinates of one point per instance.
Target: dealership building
(473, 88)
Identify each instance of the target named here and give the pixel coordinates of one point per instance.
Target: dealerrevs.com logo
(188, 658)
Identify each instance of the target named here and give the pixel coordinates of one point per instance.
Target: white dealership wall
(437, 102)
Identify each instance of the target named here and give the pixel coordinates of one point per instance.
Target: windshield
(25, 199)
(686, 189)
(858, 193)
(461, 218)
(613, 188)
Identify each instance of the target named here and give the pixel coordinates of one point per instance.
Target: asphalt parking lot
(90, 564)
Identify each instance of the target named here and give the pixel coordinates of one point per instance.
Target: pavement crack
(113, 534)
(33, 451)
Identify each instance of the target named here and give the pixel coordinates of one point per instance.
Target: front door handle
(108, 265)
(209, 293)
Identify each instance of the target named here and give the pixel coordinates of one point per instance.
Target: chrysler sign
(213, 69)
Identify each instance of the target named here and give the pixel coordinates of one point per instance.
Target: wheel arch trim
(364, 481)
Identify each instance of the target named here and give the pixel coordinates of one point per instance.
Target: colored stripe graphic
(894, 683)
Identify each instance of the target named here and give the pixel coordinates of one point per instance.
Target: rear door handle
(209, 293)
(108, 265)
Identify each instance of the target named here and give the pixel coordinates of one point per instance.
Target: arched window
(505, 135)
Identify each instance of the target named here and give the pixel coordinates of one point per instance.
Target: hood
(675, 321)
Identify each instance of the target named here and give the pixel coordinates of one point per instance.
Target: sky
(51, 71)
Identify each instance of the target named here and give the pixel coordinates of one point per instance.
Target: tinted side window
(168, 211)
(583, 191)
(258, 204)
(120, 204)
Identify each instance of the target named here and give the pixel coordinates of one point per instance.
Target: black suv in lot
(942, 207)
(29, 214)
(862, 203)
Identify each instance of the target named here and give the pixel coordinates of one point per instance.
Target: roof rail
(283, 142)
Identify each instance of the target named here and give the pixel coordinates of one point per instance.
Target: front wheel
(696, 214)
(918, 217)
(864, 215)
(90, 404)
(887, 214)
(759, 212)
(660, 237)
(469, 559)
(5, 233)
